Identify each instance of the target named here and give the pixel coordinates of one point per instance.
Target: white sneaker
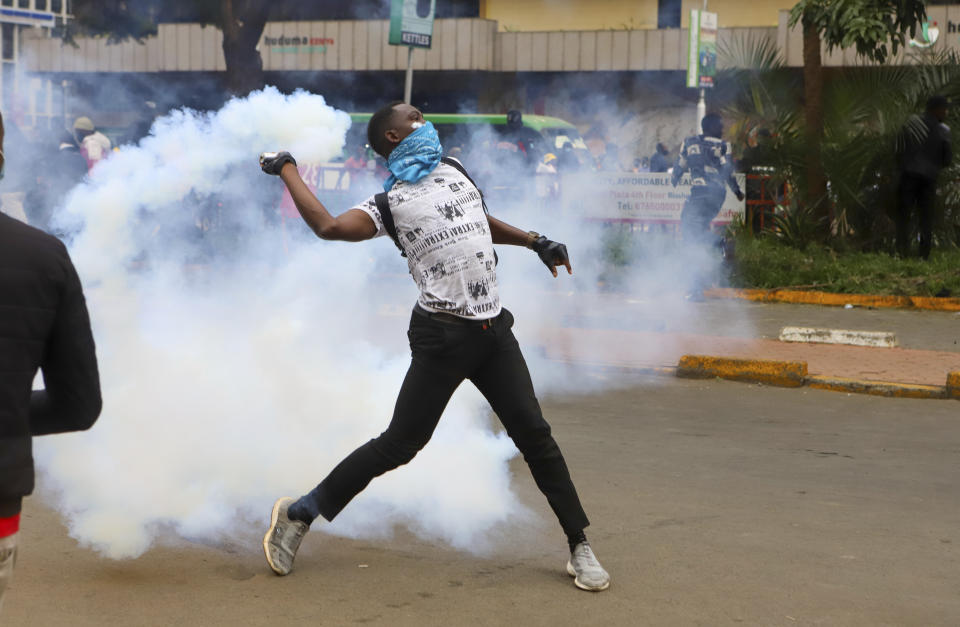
(586, 569)
(283, 537)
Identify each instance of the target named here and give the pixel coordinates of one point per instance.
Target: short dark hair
(937, 102)
(377, 127)
(712, 124)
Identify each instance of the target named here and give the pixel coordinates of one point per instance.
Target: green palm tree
(868, 115)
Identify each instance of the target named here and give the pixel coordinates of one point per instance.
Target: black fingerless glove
(272, 162)
(551, 253)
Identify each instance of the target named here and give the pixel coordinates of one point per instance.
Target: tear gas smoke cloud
(249, 378)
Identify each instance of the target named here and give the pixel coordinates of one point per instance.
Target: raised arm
(553, 254)
(351, 226)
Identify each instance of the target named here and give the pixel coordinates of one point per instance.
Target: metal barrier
(762, 200)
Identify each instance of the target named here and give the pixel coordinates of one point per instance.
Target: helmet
(547, 158)
(83, 123)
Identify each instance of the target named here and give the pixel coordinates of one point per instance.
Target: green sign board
(702, 49)
(411, 22)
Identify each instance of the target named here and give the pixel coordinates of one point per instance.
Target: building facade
(559, 57)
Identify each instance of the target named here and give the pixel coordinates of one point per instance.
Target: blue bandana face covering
(414, 157)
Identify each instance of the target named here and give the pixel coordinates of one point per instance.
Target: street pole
(408, 84)
(702, 103)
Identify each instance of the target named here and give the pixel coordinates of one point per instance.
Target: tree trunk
(816, 196)
(242, 24)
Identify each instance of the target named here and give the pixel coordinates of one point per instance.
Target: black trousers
(919, 191)
(444, 353)
(699, 210)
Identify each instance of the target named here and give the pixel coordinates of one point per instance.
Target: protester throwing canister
(458, 329)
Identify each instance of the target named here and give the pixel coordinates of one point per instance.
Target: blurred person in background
(65, 167)
(547, 187)
(709, 161)
(355, 167)
(528, 141)
(609, 161)
(927, 150)
(43, 326)
(567, 161)
(660, 161)
(94, 145)
(641, 164)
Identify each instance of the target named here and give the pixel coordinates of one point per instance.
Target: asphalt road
(713, 503)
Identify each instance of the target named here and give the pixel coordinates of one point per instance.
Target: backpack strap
(386, 216)
(453, 163)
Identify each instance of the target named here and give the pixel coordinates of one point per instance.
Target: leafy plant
(797, 226)
(869, 113)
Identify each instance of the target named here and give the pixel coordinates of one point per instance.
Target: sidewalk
(651, 350)
(624, 332)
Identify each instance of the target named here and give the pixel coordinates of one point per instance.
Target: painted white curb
(879, 339)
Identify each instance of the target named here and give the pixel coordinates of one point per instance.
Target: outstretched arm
(352, 226)
(503, 233)
(553, 254)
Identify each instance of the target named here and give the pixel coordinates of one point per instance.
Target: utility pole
(702, 103)
(408, 83)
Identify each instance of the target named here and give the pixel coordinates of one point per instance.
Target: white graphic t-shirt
(443, 230)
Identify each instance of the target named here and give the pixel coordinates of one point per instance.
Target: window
(669, 13)
(6, 51)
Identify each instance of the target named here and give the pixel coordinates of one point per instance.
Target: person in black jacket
(43, 325)
(660, 161)
(927, 151)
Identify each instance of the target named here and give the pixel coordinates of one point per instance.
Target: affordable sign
(644, 198)
(411, 22)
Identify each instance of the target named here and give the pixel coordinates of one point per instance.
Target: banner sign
(702, 49)
(641, 197)
(411, 22)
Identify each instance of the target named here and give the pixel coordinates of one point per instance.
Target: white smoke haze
(230, 385)
(243, 365)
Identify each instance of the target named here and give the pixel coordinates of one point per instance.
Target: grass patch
(765, 263)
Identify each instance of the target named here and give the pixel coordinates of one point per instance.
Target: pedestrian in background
(927, 150)
(660, 161)
(94, 145)
(43, 325)
(65, 168)
(709, 161)
(547, 186)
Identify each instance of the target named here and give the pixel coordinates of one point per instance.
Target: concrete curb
(791, 374)
(781, 373)
(794, 374)
(877, 388)
(836, 300)
(953, 385)
(811, 335)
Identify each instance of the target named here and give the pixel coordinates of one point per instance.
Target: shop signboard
(411, 22)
